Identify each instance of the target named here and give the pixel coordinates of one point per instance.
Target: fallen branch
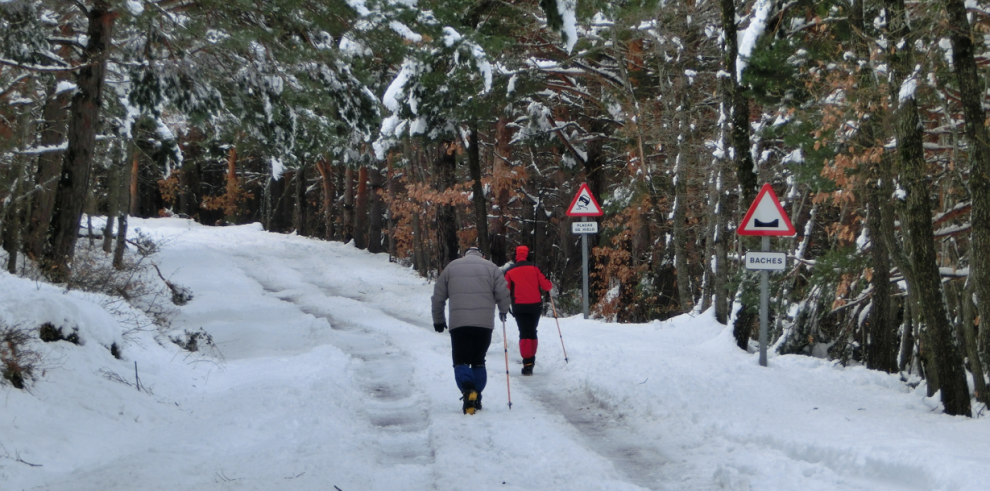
(17, 458)
(27, 463)
(223, 477)
(180, 294)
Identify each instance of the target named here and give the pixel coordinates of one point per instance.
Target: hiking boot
(528, 363)
(470, 402)
(477, 404)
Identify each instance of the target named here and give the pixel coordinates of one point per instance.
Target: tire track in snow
(640, 462)
(383, 370)
(678, 461)
(362, 297)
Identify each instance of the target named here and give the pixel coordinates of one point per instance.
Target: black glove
(440, 327)
(502, 316)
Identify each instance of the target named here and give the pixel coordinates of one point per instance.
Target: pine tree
(945, 362)
(84, 115)
(978, 140)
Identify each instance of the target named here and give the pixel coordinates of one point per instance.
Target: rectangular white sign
(584, 227)
(776, 261)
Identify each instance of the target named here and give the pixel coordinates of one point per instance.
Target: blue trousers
(468, 348)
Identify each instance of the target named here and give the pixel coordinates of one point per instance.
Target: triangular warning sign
(584, 204)
(766, 216)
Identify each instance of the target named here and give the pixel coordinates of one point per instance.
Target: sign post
(766, 218)
(584, 205)
(764, 305)
(584, 272)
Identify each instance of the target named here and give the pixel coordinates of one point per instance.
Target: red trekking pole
(505, 341)
(558, 329)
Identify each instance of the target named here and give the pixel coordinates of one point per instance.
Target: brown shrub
(17, 360)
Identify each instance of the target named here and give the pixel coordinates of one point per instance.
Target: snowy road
(360, 316)
(333, 378)
(394, 408)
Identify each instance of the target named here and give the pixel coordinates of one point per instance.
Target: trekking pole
(558, 329)
(505, 341)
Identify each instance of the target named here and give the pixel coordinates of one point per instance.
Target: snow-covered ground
(332, 377)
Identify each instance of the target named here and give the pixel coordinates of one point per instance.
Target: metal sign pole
(584, 269)
(764, 305)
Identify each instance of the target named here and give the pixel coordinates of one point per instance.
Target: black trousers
(470, 344)
(527, 325)
(527, 318)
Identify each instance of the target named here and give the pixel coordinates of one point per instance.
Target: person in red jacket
(526, 285)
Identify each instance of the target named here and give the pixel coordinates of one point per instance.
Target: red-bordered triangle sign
(766, 216)
(584, 204)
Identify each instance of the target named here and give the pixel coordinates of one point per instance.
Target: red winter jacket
(525, 280)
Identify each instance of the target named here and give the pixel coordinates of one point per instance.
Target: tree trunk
(188, 203)
(720, 270)
(983, 340)
(971, 99)
(500, 190)
(881, 337)
(13, 208)
(595, 174)
(361, 210)
(938, 346)
(73, 186)
(348, 204)
(280, 202)
(10, 217)
(968, 332)
(328, 188)
(108, 228)
(376, 212)
(737, 104)
(907, 338)
(594, 166)
(121, 245)
(124, 191)
(918, 221)
(52, 135)
(684, 297)
(478, 192)
(679, 225)
(446, 168)
(720, 281)
(392, 224)
(299, 211)
(419, 259)
(339, 213)
(113, 201)
(272, 204)
(11, 236)
(133, 191)
(420, 247)
(881, 345)
(884, 231)
(230, 195)
(708, 293)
